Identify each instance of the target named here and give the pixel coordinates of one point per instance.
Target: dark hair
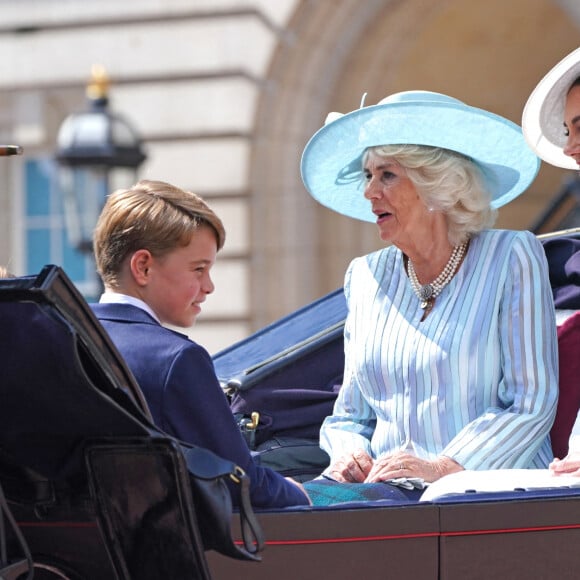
(575, 83)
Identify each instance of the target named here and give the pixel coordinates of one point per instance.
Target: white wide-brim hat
(332, 160)
(543, 116)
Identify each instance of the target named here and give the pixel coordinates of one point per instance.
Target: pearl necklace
(428, 292)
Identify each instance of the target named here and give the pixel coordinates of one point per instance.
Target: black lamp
(97, 151)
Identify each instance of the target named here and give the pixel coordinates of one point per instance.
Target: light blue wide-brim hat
(332, 160)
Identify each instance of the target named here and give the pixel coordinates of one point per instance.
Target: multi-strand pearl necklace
(428, 292)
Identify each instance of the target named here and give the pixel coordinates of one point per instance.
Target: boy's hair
(151, 215)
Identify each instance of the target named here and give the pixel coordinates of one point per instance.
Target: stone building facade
(226, 93)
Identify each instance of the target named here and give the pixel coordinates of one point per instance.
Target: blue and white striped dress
(476, 381)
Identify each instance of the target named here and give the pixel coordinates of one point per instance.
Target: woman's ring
(401, 467)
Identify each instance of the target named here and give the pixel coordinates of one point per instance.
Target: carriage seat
(563, 254)
(569, 384)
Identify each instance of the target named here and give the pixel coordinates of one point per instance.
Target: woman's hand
(352, 467)
(570, 465)
(405, 465)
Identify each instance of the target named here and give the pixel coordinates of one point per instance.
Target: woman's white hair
(446, 181)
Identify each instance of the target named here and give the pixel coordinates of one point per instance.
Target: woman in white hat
(449, 360)
(551, 126)
(551, 117)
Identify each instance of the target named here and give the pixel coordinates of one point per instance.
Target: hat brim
(543, 115)
(331, 162)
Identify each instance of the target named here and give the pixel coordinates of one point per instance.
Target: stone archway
(483, 53)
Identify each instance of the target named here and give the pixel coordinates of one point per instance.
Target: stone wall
(226, 94)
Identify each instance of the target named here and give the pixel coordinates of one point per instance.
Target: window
(45, 236)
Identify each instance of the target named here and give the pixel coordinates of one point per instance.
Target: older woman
(551, 125)
(450, 344)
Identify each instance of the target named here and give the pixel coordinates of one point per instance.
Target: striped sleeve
(515, 433)
(352, 423)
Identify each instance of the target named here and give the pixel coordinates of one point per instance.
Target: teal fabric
(324, 492)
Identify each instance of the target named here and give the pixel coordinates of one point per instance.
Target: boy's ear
(139, 264)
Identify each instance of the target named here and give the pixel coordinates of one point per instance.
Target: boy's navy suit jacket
(178, 380)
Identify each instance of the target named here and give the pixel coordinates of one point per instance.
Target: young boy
(155, 245)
